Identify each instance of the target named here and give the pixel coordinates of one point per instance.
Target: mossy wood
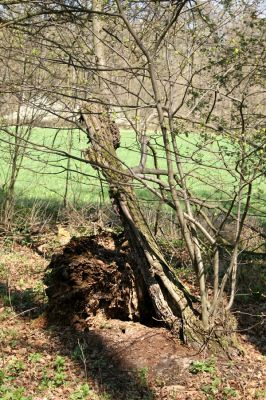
(171, 300)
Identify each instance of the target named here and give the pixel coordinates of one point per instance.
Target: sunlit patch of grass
(42, 178)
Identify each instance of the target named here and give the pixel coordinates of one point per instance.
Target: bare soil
(91, 275)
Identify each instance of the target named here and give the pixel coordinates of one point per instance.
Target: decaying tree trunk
(92, 276)
(171, 301)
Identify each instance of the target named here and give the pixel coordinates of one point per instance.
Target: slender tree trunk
(8, 204)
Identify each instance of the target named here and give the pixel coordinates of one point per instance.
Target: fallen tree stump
(95, 275)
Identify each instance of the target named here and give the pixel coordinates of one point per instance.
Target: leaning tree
(177, 72)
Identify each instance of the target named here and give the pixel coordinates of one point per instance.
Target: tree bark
(171, 301)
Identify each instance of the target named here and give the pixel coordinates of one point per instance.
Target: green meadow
(206, 163)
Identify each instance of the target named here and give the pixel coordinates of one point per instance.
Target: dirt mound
(93, 275)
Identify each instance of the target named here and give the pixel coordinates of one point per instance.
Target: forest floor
(109, 359)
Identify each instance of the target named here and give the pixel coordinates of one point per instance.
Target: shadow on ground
(251, 320)
(103, 366)
(97, 357)
(250, 306)
(26, 303)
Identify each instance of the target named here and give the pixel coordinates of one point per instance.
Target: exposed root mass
(93, 275)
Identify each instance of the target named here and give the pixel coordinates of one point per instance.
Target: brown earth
(94, 275)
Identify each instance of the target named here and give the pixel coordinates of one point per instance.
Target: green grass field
(43, 174)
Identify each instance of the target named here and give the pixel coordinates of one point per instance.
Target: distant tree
(18, 114)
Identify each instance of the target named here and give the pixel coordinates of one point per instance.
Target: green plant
(143, 375)
(59, 379)
(3, 273)
(8, 393)
(50, 379)
(212, 388)
(9, 334)
(6, 300)
(77, 353)
(81, 393)
(260, 394)
(35, 357)
(229, 391)
(15, 367)
(46, 380)
(2, 377)
(59, 363)
(208, 365)
(6, 313)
